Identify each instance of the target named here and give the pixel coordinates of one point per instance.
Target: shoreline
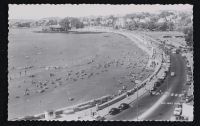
(68, 32)
(104, 32)
(77, 97)
(122, 98)
(126, 35)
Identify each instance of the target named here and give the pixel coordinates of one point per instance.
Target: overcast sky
(42, 11)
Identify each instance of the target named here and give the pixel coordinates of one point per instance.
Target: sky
(46, 10)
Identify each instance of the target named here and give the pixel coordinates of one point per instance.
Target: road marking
(167, 93)
(170, 103)
(176, 95)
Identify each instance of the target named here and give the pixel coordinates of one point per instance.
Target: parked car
(188, 78)
(161, 80)
(174, 51)
(100, 118)
(157, 84)
(189, 98)
(178, 51)
(188, 83)
(177, 111)
(114, 111)
(154, 88)
(172, 74)
(123, 106)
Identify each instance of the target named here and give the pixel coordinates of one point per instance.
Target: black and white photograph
(100, 62)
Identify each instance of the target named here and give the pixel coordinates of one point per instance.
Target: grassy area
(53, 70)
(172, 37)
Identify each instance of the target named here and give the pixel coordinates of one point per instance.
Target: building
(128, 20)
(161, 20)
(187, 112)
(145, 20)
(57, 28)
(120, 23)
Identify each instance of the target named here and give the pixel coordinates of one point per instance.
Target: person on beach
(27, 91)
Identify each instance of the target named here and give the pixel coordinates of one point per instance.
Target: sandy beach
(69, 69)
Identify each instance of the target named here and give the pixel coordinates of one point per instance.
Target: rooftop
(55, 26)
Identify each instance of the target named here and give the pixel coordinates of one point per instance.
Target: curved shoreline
(140, 45)
(120, 32)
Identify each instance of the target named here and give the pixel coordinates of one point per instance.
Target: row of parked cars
(114, 111)
(123, 106)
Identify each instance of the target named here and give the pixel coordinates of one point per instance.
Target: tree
(143, 25)
(188, 21)
(26, 24)
(52, 22)
(139, 17)
(170, 26)
(163, 26)
(65, 23)
(134, 22)
(146, 14)
(80, 25)
(188, 31)
(152, 24)
(136, 18)
(37, 23)
(183, 15)
(113, 20)
(75, 22)
(98, 20)
(165, 14)
(130, 26)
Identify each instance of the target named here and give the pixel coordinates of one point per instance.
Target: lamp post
(137, 82)
(137, 102)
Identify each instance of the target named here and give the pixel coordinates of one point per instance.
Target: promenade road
(154, 107)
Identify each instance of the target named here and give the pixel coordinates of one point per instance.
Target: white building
(120, 23)
(161, 20)
(187, 112)
(128, 20)
(145, 20)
